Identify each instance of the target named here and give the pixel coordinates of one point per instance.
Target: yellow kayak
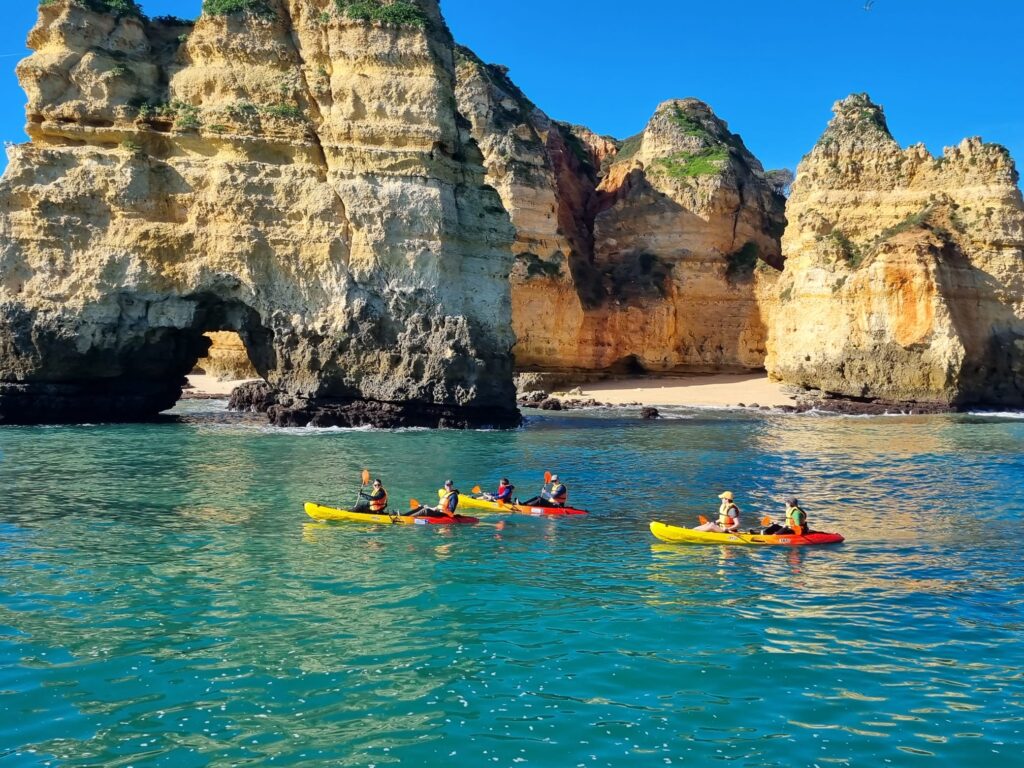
(674, 535)
(318, 512)
(471, 502)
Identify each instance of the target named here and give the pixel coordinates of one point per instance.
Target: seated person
(556, 497)
(446, 507)
(374, 502)
(728, 516)
(504, 492)
(795, 518)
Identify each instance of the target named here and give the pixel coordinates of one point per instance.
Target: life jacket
(504, 492)
(378, 500)
(559, 493)
(795, 517)
(728, 515)
(449, 500)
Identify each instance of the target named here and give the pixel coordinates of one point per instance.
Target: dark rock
(116, 400)
(255, 396)
(741, 405)
(551, 404)
(649, 414)
(368, 413)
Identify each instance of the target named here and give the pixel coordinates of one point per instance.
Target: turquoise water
(165, 602)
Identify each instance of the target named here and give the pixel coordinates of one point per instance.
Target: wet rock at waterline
(328, 206)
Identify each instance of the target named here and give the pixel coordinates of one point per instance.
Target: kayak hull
(675, 535)
(327, 514)
(492, 507)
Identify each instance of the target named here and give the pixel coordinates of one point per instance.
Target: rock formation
(298, 174)
(631, 256)
(227, 359)
(904, 276)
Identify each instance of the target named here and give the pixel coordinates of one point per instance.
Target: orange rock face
(636, 255)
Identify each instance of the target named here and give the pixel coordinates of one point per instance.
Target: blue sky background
(943, 69)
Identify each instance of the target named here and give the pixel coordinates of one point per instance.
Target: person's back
(449, 499)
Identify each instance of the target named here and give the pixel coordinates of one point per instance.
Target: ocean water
(164, 601)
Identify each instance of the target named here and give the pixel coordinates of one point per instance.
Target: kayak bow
(675, 535)
(328, 514)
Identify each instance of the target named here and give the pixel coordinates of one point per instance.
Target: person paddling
(376, 501)
(449, 496)
(728, 516)
(503, 494)
(796, 520)
(556, 497)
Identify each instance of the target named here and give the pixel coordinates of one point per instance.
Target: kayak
(674, 535)
(343, 515)
(482, 505)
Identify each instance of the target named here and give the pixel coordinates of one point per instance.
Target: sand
(210, 386)
(712, 390)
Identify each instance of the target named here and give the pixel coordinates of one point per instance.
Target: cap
(727, 496)
(448, 483)
(554, 478)
(793, 502)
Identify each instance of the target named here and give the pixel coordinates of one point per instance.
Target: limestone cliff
(227, 359)
(638, 255)
(295, 174)
(904, 275)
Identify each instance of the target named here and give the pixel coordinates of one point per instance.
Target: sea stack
(293, 174)
(904, 276)
(635, 256)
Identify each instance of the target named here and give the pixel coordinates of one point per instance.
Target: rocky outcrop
(296, 175)
(637, 255)
(227, 358)
(904, 277)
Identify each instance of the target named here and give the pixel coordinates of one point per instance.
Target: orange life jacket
(378, 500)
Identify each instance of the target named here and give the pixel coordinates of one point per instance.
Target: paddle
(366, 481)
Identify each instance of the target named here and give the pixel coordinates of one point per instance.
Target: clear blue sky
(943, 69)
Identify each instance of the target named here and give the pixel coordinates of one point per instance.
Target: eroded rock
(303, 180)
(904, 278)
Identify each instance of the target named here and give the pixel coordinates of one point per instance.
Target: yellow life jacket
(559, 493)
(795, 517)
(449, 501)
(728, 514)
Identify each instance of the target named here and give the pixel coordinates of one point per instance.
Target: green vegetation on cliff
(400, 12)
(230, 7)
(683, 165)
(118, 7)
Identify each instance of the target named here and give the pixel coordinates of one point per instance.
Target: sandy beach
(210, 386)
(711, 390)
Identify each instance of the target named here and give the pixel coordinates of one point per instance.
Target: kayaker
(795, 516)
(376, 501)
(503, 494)
(728, 516)
(449, 496)
(556, 497)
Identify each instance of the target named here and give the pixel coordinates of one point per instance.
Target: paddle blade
(547, 478)
(766, 522)
(366, 477)
(798, 530)
(413, 504)
(703, 520)
(501, 502)
(477, 489)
